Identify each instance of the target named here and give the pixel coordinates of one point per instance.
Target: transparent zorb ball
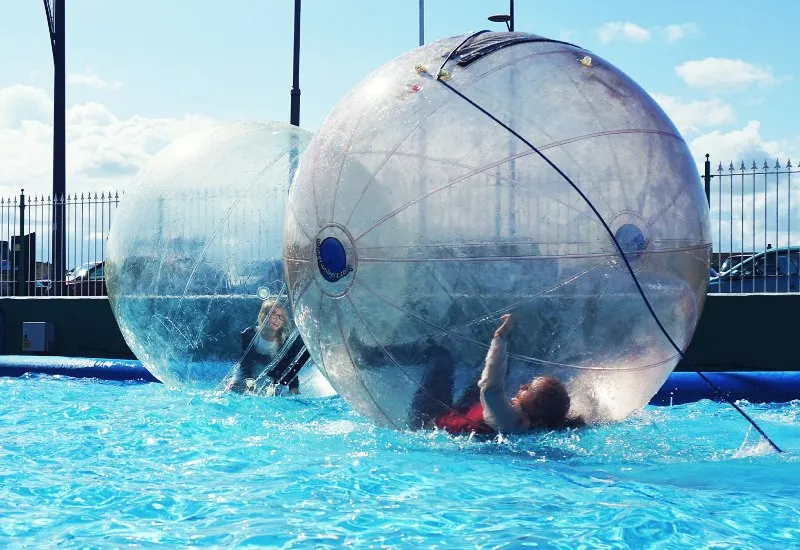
(194, 253)
(430, 203)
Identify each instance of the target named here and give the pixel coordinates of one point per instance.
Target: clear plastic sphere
(195, 250)
(418, 217)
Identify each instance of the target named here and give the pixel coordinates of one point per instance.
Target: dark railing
(26, 245)
(754, 224)
(753, 220)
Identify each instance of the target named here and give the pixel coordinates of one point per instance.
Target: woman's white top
(266, 347)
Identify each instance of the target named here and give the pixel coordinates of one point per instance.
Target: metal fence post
(707, 182)
(20, 259)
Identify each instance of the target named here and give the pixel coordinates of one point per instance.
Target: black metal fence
(754, 225)
(27, 245)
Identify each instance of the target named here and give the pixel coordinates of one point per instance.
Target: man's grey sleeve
(497, 409)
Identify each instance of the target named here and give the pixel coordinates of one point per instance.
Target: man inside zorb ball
(497, 232)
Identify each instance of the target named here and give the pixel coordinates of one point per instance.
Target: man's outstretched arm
(498, 412)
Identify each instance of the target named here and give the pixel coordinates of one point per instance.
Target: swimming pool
(92, 463)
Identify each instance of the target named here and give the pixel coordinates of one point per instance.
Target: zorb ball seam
(437, 219)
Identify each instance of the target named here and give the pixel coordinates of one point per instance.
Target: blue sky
(143, 73)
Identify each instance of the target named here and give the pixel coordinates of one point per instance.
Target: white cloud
(20, 103)
(702, 118)
(674, 33)
(566, 36)
(691, 115)
(735, 206)
(104, 152)
(722, 73)
(91, 80)
(622, 30)
(619, 31)
(745, 145)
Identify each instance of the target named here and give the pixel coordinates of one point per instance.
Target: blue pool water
(105, 464)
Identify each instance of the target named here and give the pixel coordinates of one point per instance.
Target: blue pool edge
(680, 387)
(122, 370)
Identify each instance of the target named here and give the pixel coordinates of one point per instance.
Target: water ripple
(92, 464)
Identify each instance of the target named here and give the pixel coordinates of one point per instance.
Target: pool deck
(680, 387)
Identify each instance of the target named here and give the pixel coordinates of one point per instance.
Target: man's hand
(508, 322)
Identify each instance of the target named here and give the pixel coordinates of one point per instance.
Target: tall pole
(59, 145)
(423, 211)
(294, 116)
(512, 203)
(421, 22)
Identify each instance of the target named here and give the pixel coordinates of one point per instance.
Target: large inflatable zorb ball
(195, 249)
(437, 197)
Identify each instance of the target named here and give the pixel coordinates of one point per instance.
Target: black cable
(454, 50)
(622, 254)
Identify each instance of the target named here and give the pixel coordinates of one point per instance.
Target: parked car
(775, 270)
(733, 260)
(42, 287)
(86, 280)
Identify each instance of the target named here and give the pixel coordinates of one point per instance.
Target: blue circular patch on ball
(332, 254)
(631, 240)
(332, 259)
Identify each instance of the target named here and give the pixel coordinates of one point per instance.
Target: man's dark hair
(545, 403)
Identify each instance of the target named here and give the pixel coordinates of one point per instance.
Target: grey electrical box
(37, 337)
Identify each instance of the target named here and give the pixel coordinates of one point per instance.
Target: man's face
(525, 396)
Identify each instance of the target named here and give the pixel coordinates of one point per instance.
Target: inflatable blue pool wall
(75, 367)
(680, 387)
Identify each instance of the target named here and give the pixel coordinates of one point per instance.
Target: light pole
(421, 22)
(56, 22)
(507, 19)
(294, 116)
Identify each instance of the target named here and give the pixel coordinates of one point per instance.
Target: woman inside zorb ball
(262, 344)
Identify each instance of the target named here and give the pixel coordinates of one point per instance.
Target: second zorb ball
(194, 252)
(435, 199)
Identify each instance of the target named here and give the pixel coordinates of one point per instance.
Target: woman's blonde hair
(267, 307)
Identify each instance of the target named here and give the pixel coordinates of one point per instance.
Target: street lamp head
(501, 19)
